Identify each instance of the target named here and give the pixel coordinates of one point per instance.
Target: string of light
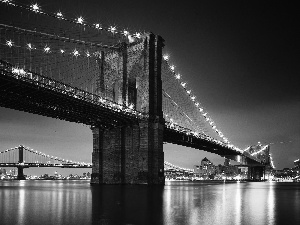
(50, 36)
(264, 148)
(272, 163)
(47, 49)
(55, 158)
(200, 108)
(169, 118)
(178, 167)
(36, 8)
(8, 150)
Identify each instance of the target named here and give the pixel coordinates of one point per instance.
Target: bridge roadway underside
(179, 138)
(29, 97)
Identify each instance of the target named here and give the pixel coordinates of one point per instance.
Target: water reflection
(21, 206)
(76, 202)
(238, 204)
(113, 204)
(271, 204)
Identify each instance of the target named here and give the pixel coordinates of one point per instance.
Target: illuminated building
(297, 163)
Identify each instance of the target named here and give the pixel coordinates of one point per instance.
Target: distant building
(206, 169)
(227, 162)
(13, 172)
(297, 163)
(196, 169)
(227, 170)
(2, 171)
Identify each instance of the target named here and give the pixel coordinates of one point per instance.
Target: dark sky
(240, 58)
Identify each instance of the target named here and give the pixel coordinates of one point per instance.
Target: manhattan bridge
(118, 82)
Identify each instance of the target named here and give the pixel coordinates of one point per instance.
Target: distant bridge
(24, 157)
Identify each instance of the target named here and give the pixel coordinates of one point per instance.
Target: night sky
(240, 58)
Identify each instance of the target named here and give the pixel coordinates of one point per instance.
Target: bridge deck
(46, 99)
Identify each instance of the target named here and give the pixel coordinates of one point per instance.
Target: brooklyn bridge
(118, 82)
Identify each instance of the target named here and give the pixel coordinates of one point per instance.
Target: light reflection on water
(76, 202)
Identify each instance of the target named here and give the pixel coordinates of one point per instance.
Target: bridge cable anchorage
(192, 98)
(121, 33)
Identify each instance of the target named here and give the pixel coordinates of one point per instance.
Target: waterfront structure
(297, 163)
(262, 152)
(206, 169)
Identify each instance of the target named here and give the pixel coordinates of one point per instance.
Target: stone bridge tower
(131, 153)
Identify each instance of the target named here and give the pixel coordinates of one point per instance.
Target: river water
(76, 202)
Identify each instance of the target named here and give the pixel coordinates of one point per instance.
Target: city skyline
(238, 58)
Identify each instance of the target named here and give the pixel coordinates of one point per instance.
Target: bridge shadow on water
(137, 204)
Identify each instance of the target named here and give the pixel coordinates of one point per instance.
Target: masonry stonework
(132, 153)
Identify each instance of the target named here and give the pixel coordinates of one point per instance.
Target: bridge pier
(128, 155)
(256, 173)
(133, 153)
(21, 175)
(21, 160)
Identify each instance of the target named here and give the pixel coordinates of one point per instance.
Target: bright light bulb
(130, 39)
(29, 46)
(6, 1)
(112, 29)
(87, 54)
(59, 15)
(35, 7)
(137, 35)
(47, 49)
(166, 57)
(183, 84)
(62, 51)
(172, 67)
(197, 104)
(15, 70)
(9, 43)
(22, 71)
(131, 106)
(125, 33)
(177, 76)
(75, 52)
(98, 26)
(80, 20)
